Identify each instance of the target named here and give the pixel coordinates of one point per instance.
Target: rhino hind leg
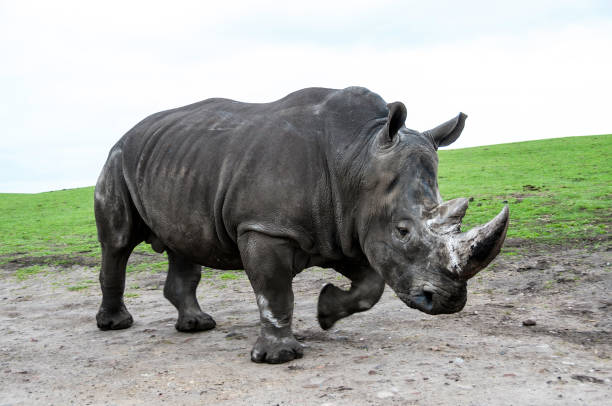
(113, 315)
(120, 229)
(268, 264)
(334, 303)
(180, 290)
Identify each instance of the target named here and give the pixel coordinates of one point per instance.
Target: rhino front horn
(476, 248)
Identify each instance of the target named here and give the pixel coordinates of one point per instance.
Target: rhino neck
(351, 121)
(346, 161)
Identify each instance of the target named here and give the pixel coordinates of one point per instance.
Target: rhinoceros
(321, 177)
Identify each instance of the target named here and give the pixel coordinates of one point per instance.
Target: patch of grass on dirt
(154, 267)
(229, 275)
(75, 288)
(556, 189)
(24, 273)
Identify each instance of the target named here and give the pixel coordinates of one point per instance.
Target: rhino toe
(328, 305)
(114, 320)
(276, 351)
(194, 323)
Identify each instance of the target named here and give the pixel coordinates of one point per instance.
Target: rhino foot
(195, 322)
(329, 308)
(117, 320)
(274, 350)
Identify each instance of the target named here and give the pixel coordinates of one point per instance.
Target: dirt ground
(52, 353)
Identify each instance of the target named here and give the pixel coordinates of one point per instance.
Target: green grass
(557, 189)
(52, 223)
(76, 288)
(24, 273)
(230, 275)
(153, 267)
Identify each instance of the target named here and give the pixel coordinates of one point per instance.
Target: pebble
(586, 378)
(383, 394)
(317, 380)
(529, 322)
(235, 335)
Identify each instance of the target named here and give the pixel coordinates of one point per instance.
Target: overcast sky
(76, 75)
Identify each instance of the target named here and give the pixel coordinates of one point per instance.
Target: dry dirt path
(52, 353)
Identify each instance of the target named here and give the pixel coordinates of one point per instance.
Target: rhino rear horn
(447, 133)
(476, 248)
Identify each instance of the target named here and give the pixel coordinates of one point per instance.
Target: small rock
(529, 322)
(458, 361)
(295, 367)
(234, 335)
(586, 378)
(383, 394)
(453, 376)
(543, 348)
(317, 380)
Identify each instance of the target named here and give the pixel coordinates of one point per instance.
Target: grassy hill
(557, 189)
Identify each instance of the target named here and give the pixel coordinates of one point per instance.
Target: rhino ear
(445, 134)
(395, 121)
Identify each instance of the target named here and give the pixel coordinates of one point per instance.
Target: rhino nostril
(428, 293)
(428, 296)
(423, 300)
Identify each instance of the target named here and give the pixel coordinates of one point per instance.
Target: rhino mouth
(429, 300)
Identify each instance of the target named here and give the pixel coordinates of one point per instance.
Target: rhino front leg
(334, 303)
(180, 290)
(268, 264)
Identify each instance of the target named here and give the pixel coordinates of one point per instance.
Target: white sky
(76, 75)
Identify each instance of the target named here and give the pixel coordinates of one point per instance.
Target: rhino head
(410, 236)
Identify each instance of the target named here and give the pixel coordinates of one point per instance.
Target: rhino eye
(402, 231)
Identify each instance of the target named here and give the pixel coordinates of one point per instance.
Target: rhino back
(202, 174)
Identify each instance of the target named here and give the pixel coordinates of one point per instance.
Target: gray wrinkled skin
(321, 177)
